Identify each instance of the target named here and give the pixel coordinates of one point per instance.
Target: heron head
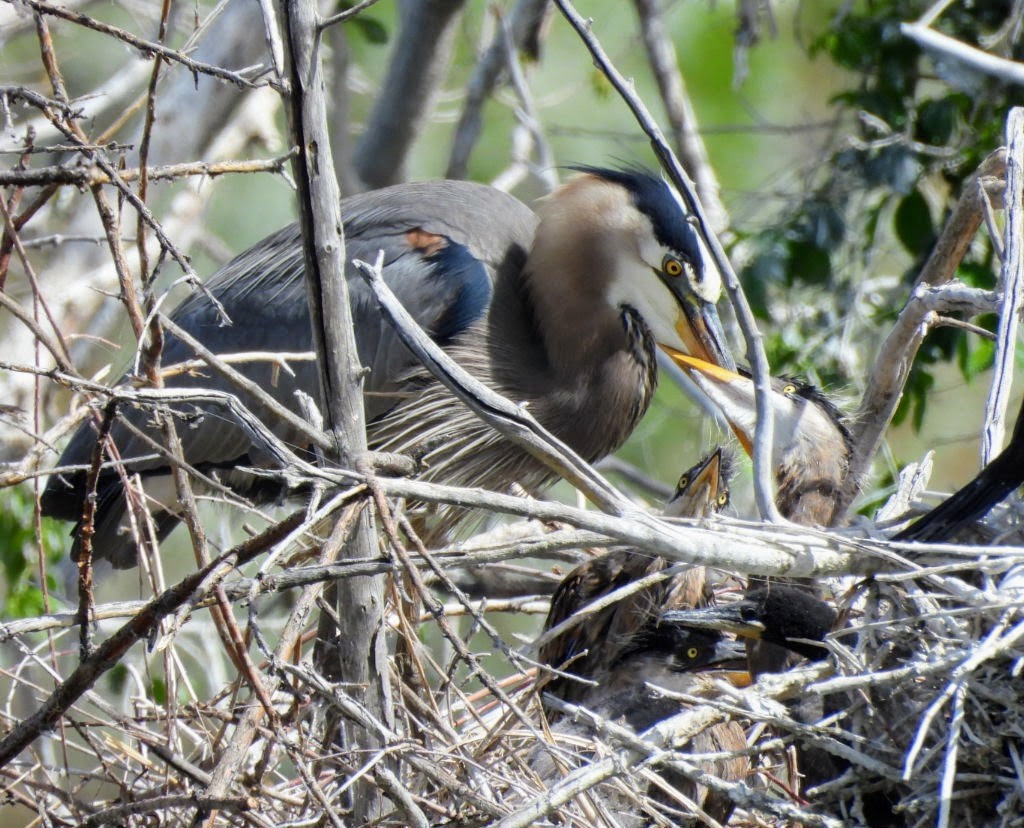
(658, 267)
(683, 648)
(808, 428)
(783, 615)
(703, 489)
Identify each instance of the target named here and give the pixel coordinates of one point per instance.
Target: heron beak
(739, 678)
(727, 653)
(735, 618)
(732, 394)
(695, 495)
(700, 331)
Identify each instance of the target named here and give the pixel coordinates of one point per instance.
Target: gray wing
(444, 245)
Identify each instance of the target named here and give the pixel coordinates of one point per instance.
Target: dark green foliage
(158, 690)
(23, 597)
(368, 27)
(918, 131)
(919, 383)
(913, 224)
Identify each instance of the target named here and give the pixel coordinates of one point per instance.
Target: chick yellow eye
(722, 499)
(672, 266)
(789, 390)
(692, 653)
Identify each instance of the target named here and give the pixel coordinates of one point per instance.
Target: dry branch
(896, 355)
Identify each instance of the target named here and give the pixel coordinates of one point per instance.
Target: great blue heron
(784, 615)
(629, 690)
(560, 310)
(810, 459)
(773, 618)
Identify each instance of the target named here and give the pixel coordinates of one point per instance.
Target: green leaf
(118, 678)
(976, 274)
(823, 225)
(852, 44)
(936, 120)
(915, 394)
(600, 85)
(871, 218)
(26, 602)
(979, 358)
(373, 31)
(913, 224)
(809, 263)
(780, 355)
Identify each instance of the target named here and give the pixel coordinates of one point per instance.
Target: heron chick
(811, 446)
(593, 648)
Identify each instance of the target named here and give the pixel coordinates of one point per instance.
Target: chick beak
(730, 393)
(734, 618)
(697, 497)
(728, 655)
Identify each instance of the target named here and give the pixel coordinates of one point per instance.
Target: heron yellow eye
(692, 653)
(672, 266)
(683, 483)
(789, 390)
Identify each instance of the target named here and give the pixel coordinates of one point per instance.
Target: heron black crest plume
(656, 200)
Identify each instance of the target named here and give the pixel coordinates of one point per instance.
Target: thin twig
(949, 48)
(1011, 279)
(147, 47)
(763, 485)
(89, 176)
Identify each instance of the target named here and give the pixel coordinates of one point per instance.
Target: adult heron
(560, 310)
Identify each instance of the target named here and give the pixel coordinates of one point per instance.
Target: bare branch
(524, 21)
(90, 176)
(146, 47)
(686, 137)
(1011, 281)
(896, 356)
(944, 47)
(350, 647)
(418, 61)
